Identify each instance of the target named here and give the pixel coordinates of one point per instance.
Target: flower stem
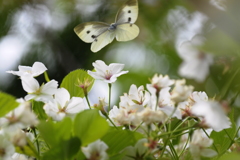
(109, 101)
(86, 96)
(46, 76)
(35, 135)
(110, 120)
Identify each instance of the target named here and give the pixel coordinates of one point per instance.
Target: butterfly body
(100, 34)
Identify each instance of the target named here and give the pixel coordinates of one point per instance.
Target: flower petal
(29, 84)
(38, 68)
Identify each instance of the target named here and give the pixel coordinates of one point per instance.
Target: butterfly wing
(128, 13)
(126, 32)
(89, 31)
(102, 40)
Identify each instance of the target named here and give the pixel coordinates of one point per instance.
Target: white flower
(19, 118)
(194, 97)
(106, 73)
(181, 91)
(195, 63)
(166, 105)
(37, 69)
(136, 96)
(198, 145)
(159, 82)
(122, 116)
(213, 115)
(96, 151)
(136, 152)
(42, 93)
(18, 137)
(63, 106)
(17, 156)
(6, 148)
(149, 116)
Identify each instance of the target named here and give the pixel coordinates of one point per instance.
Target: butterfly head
(112, 27)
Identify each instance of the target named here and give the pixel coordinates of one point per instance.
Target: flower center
(108, 75)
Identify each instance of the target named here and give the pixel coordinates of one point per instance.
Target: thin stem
(109, 101)
(110, 120)
(167, 133)
(209, 137)
(137, 127)
(157, 102)
(46, 76)
(185, 146)
(174, 153)
(86, 96)
(35, 135)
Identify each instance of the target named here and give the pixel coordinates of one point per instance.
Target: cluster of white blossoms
(165, 99)
(140, 109)
(58, 104)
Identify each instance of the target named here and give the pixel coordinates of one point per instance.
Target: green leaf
(224, 139)
(66, 150)
(38, 110)
(7, 103)
(218, 42)
(28, 149)
(231, 156)
(90, 126)
(117, 140)
(71, 81)
(53, 132)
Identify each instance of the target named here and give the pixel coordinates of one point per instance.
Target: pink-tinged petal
(120, 73)
(62, 96)
(100, 66)
(50, 87)
(29, 97)
(38, 68)
(111, 80)
(29, 84)
(116, 67)
(95, 75)
(75, 105)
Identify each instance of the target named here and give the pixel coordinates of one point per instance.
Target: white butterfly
(100, 34)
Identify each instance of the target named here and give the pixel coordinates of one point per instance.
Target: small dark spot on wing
(129, 19)
(129, 11)
(88, 32)
(93, 36)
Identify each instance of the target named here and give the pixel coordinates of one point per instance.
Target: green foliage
(7, 103)
(89, 126)
(53, 132)
(230, 156)
(71, 82)
(225, 138)
(66, 150)
(58, 135)
(117, 140)
(28, 149)
(38, 110)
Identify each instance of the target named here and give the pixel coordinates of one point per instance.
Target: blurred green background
(42, 30)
